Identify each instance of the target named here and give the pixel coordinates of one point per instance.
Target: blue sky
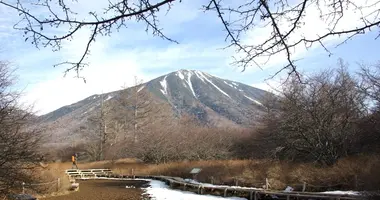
(115, 60)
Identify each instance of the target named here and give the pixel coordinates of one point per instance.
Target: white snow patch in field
(254, 100)
(164, 86)
(159, 191)
(189, 83)
(142, 87)
(214, 85)
(342, 192)
(219, 186)
(180, 75)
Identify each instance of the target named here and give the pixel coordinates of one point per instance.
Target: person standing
(74, 160)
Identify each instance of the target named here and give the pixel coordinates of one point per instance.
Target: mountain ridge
(212, 100)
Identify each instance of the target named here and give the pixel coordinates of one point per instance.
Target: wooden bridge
(86, 173)
(225, 191)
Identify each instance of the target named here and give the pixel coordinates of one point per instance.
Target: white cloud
(110, 69)
(104, 76)
(272, 85)
(117, 59)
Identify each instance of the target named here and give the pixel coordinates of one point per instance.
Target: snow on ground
(342, 192)
(158, 190)
(218, 186)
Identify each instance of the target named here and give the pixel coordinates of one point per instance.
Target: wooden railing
(246, 192)
(87, 173)
(179, 183)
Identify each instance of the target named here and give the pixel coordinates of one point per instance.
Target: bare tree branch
(283, 20)
(34, 26)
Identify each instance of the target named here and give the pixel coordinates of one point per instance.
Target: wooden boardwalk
(225, 191)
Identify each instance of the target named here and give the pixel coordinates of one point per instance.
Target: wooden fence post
(23, 187)
(266, 184)
(58, 184)
(225, 192)
(304, 187)
(212, 180)
(250, 195)
(356, 181)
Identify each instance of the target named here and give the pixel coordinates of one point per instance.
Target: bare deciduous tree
(19, 141)
(318, 120)
(283, 18)
(370, 125)
(136, 109)
(97, 134)
(370, 85)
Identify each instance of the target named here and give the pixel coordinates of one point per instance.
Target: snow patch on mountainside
(180, 75)
(199, 75)
(214, 85)
(189, 83)
(164, 85)
(108, 98)
(230, 84)
(254, 100)
(142, 87)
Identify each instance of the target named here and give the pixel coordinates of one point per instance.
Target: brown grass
(354, 173)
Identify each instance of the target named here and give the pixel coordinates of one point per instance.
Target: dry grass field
(354, 173)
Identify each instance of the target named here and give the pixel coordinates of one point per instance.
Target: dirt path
(105, 190)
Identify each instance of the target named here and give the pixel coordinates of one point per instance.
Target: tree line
(322, 118)
(319, 118)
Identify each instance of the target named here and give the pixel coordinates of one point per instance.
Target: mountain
(214, 101)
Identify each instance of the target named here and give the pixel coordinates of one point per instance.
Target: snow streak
(199, 75)
(214, 85)
(189, 82)
(164, 85)
(180, 75)
(142, 87)
(257, 102)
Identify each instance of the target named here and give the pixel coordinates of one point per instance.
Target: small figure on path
(74, 160)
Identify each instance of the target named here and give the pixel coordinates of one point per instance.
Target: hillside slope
(214, 101)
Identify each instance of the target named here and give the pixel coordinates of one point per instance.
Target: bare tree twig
(283, 20)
